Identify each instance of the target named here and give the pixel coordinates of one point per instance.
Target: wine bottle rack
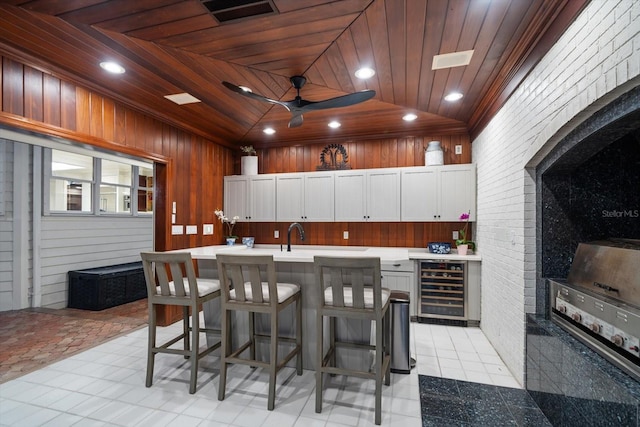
(442, 289)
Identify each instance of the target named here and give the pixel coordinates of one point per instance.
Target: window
(115, 187)
(71, 183)
(80, 183)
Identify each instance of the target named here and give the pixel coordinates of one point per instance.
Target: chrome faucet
(300, 230)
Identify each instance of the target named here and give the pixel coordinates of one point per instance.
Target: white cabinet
(252, 198)
(305, 197)
(401, 276)
(438, 193)
(368, 195)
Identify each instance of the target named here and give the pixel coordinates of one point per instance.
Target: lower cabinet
(401, 277)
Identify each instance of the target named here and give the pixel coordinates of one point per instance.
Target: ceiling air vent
(232, 10)
(450, 60)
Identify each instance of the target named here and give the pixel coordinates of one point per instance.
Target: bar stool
(185, 290)
(243, 290)
(351, 288)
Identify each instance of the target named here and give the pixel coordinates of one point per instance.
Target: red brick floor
(33, 338)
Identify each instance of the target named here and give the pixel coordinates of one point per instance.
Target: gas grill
(599, 302)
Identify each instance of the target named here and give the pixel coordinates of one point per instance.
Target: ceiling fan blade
(296, 121)
(341, 101)
(239, 90)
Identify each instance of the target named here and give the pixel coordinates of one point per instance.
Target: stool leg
(252, 336)
(185, 329)
(195, 346)
(151, 344)
(380, 341)
(225, 350)
(299, 334)
(319, 357)
(273, 361)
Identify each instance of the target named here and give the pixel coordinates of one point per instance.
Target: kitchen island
(398, 270)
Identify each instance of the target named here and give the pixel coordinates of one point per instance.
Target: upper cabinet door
(457, 192)
(383, 195)
(319, 196)
(236, 197)
(290, 197)
(419, 194)
(350, 196)
(262, 199)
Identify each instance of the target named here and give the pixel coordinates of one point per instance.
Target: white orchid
(229, 222)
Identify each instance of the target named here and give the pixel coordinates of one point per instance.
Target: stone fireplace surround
(588, 188)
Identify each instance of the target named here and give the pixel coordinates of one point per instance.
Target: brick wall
(595, 61)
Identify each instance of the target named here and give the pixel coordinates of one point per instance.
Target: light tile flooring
(104, 386)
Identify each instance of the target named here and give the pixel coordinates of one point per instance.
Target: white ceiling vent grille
(450, 60)
(232, 10)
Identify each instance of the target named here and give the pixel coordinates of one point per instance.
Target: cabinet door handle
(397, 265)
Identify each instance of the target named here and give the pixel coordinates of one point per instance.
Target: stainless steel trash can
(401, 361)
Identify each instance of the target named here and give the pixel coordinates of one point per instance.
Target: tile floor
(104, 385)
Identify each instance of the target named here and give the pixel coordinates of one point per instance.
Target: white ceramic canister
(433, 155)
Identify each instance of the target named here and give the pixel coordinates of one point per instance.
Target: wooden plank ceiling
(174, 46)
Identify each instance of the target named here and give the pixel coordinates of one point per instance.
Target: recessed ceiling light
(365, 73)
(112, 67)
(269, 131)
(334, 124)
(182, 98)
(409, 117)
(246, 89)
(453, 96)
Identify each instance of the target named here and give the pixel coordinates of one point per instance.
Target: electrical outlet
(207, 229)
(455, 235)
(345, 235)
(276, 234)
(458, 149)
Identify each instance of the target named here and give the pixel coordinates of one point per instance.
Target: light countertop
(305, 253)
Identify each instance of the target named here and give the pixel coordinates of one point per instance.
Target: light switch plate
(455, 235)
(276, 234)
(192, 229)
(207, 229)
(173, 208)
(345, 235)
(177, 229)
(458, 149)
(173, 218)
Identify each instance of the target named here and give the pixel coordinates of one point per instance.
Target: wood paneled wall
(192, 166)
(365, 154)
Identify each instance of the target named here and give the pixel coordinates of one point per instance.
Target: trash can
(401, 361)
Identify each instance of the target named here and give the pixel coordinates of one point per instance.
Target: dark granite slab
(572, 384)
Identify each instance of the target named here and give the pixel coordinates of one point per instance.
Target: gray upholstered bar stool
(351, 288)
(171, 280)
(243, 289)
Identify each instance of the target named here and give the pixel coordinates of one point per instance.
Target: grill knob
(595, 328)
(618, 340)
(562, 309)
(576, 317)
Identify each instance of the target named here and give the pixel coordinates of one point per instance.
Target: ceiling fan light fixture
(409, 117)
(112, 67)
(246, 89)
(334, 124)
(453, 96)
(269, 131)
(365, 73)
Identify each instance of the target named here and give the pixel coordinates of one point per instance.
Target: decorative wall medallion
(333, 157)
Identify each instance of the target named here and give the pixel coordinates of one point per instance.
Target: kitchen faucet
(300, 230)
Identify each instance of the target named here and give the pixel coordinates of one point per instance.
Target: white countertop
(305, 253)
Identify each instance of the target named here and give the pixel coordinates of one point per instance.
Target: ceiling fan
(298, 106)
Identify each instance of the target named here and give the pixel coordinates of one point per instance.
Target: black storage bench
(103, 287)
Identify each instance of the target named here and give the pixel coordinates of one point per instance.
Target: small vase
(231, 241)
(462, 249)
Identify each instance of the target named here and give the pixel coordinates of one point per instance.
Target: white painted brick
(600, 51)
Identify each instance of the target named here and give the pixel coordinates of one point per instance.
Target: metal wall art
(334, 157)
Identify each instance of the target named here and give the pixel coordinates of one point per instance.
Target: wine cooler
(442, 286)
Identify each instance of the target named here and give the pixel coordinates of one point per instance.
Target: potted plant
(230, 237)
(249, 161)
(462, 243)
